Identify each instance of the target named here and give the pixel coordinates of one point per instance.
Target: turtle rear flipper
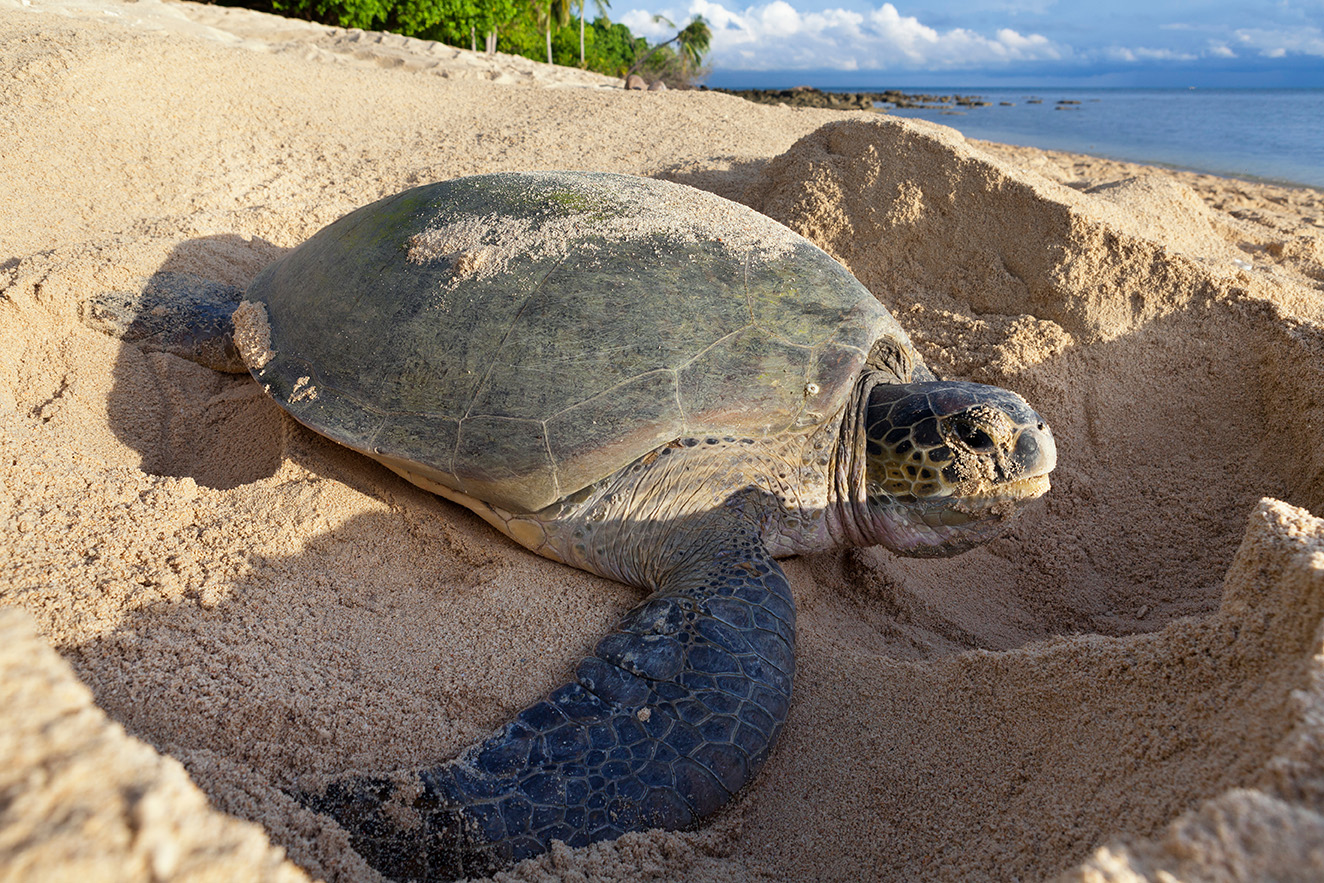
(178, 313)
(673, 714)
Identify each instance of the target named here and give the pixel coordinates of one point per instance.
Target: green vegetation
(685, 62)
(544, 30)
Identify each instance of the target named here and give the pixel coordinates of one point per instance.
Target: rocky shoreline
(808, 96)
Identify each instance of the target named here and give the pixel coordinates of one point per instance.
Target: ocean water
(1264, 134)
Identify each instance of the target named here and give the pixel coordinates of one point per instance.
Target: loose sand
(1129, 686)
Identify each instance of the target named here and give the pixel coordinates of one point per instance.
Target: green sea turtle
(642, 380)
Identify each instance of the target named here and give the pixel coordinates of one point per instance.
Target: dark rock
(809, 96)
(806, 96)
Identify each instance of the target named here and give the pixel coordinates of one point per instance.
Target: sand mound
(1128, 684)
(1125, 344)
(914, 208)
(103, 805)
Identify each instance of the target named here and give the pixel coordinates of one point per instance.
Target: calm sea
(1266, 134)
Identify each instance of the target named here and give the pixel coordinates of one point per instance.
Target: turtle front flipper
(675, 711)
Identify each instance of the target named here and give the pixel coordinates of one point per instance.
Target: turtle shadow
(255, 669)
(391, 639)
(183, 419)
(186, 420)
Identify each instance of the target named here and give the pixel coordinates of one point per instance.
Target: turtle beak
(1000, 453)
(1035, 452)
(1022, 474)
(1021, 468)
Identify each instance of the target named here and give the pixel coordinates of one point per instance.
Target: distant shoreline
(811, 96)
(1215, 131)
(888, 99)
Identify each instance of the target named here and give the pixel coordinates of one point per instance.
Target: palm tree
(549, 14)
(602, 6)
(489, 15)
(693, 40)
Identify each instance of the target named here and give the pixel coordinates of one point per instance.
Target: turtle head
(948, 464)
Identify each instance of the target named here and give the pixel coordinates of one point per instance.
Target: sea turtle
(648, 382)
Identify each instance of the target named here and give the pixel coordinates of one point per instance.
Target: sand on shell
(1127, 687)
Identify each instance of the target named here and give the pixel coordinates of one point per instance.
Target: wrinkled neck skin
(626, 529)
(801, 493)
(847, 522)
(629, 527)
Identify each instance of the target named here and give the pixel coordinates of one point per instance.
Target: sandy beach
(203, 603)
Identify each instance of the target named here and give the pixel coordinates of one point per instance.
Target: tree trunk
(549, 43)
(473, 38)
(649, 54)
(491, 41)
(581, 33)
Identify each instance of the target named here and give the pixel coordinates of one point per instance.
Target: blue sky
(1001, 42)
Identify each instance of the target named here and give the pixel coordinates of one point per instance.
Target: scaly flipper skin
(675, 711)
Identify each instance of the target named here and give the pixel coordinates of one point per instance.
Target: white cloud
(779, 19)
(777, 36)
(1142, 53)
(1281, 43)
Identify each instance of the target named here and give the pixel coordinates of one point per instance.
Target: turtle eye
(972, 436)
